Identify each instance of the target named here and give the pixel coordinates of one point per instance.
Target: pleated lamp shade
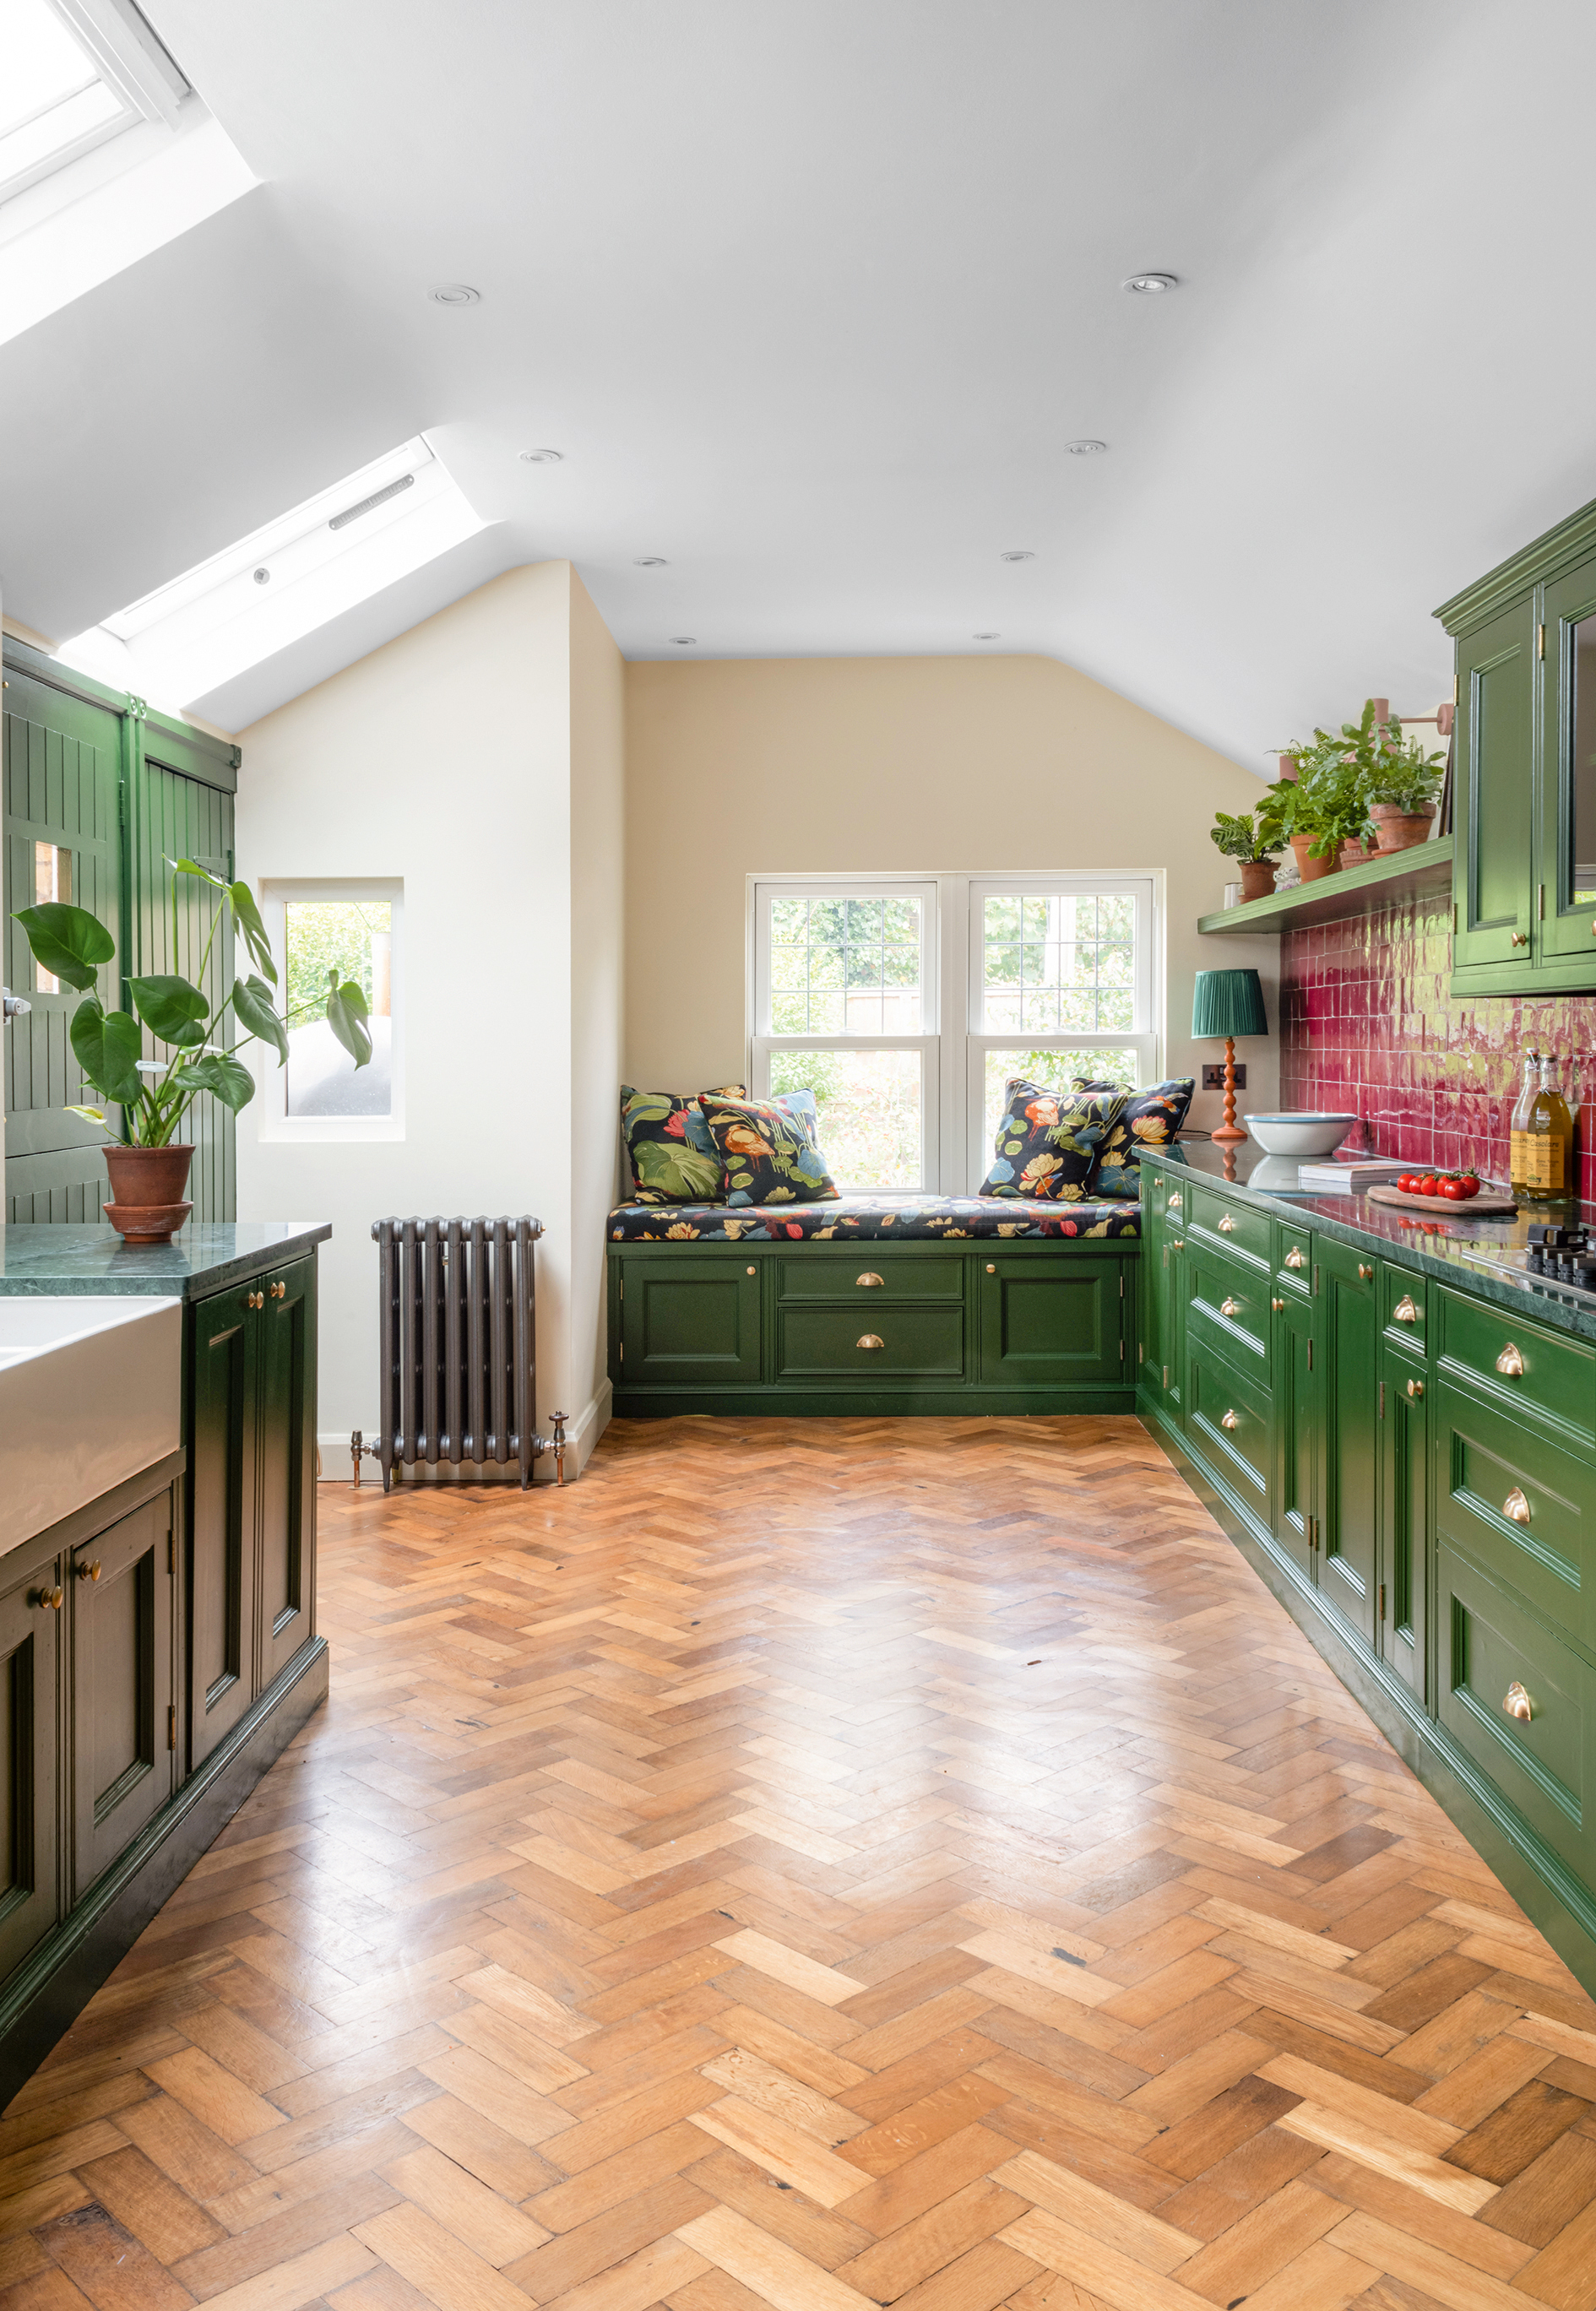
(1227, 1003)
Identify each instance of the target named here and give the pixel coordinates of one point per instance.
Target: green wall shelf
(1356, 891)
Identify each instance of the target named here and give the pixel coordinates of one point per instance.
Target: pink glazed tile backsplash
(1367, 1025)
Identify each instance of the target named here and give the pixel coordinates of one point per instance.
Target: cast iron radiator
(457, 1352)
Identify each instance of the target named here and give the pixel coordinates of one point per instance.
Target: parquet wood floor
(813, 1865)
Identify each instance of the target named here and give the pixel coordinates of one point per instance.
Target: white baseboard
(581, 1434)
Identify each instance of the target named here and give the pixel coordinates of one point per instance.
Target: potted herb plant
(1299, 815)
(146, 1162)
(1252, 837)
(1401, 789)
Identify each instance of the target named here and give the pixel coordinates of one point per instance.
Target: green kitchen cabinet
(1567, 871)
(1044, 1324)
(688, 1319)
(122, 1587)
(31, 1685)
(1152, 1291)
(1229, 1415)
(1299, 1429)
(1404, 1408)
(1348, 1328)
(1493, 783)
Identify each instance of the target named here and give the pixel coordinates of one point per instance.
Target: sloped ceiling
(812, 296)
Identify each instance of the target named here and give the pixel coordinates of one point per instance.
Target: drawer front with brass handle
(1232, 1305)
(1402, 1309)
(1547, 1379)
(1242, 1230)
(827, 1344)
(1522, 1705)
(1293, 1257)
(1229, 1419)
(1520, 1506)
(805, 1276)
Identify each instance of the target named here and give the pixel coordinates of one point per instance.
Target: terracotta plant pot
(1310, 869)
(1401, 830)
(1258, 878)
(1353, 854)
(147, 1185)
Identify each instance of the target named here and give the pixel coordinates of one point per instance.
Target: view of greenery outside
(323, 935)
(1052, 1071)
(869, 1108)
(1060, 967)
(845, 966)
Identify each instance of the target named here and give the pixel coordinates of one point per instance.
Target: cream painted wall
(598, 918)
(912, 764)
(447, 758)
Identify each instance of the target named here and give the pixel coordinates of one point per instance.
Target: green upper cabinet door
(1493, 795)
(1566, 891)
(1349, 1328)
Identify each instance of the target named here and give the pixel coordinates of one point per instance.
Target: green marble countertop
(1432, 1247)
(50, 1262)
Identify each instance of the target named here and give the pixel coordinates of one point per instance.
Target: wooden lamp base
(1229, 1132)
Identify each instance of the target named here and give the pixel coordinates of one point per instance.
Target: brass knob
(1174, 1204)
(1177, 1243)
(1294, 1258)
(1365, 1270)
(89, 1572)
(871, 1340)
(1405, 1311)
(1520, 939)
(1515, 1508)
(1229, 1420)
(1228, 1225)
(49, 1600)
(1516, 1703)
(1511, 1362)
(753, 1271)
(1230, 1307)
(869, 1277)
(1416, 1389)
(1276, 1305)
(991, 1268)
(256, 1299)
(280, 1290)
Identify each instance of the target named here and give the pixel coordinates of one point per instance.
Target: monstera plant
(155, 1095)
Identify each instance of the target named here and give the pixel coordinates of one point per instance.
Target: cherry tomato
(1453, 1190)
(1429, 1185)
(1407, 1185)
(1468, 1183)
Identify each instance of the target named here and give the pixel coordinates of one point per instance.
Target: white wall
(446, 758)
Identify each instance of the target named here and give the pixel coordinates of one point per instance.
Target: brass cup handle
(1520, 939)
(1228, 1225)
(90, 1571)
(1230, 1307)
(1511, 1362)
(1405, 1311)
(1230, 1420)
(869, 1277)
(49, 1600)
(871, 1340)
(1416, 1389)
(1294, 1258)
(1365, 1270)
(1515, 1508)
(1516, 1703)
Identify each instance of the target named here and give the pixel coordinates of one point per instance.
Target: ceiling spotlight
(1150, 284)
(986, 638)
(1084, 449)
(651, 562)
(454, 292)
(542, 457)
(684, 642)
(1017, 554)
(263, 577)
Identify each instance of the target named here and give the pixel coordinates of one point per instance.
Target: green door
(30, 1691)
(689, 1321)
(120, 1598)
(1299, 1421)
(1493, 806)
(61, 776)
(1052, 1323)
(1404, 1516)
(285, 1339)
(1567, 866)
(221, 1440)
(1349, 1328)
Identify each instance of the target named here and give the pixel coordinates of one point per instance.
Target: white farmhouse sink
(89, 1394)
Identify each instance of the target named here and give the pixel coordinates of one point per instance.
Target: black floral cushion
(769, 1149)
(1148, 1118)
(875, 1219)
(1048, 1142)
(673, 1158)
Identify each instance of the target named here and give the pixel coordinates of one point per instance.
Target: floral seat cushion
(875, 1219)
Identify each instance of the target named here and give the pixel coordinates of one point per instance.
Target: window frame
(122, 53)
(271, 1101)
(954, 1151)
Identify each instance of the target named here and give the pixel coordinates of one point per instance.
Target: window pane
(354, 938)
(845, 966)
(1052, 1071)
(869, 1109)
(52, 882)
(1046, 962)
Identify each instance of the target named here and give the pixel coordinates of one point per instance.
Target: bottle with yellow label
(1561, 1123)
(1536, 1150)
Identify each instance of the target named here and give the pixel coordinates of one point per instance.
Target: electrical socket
(1213, 1079)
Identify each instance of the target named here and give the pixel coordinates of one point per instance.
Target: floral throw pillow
(673, 1158)
(1048, 1142)
(1149, 1119)
(769, 1149)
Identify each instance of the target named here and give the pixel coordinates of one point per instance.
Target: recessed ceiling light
(986, 638)
(542, 457)
(454, 292)
(1084, 449)
(1150, 284)
(684, 642)
(1017, 554)
(651, 562)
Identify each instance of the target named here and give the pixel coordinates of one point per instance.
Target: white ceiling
(812, 295)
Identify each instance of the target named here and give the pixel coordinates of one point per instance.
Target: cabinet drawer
(1543, 1377)
(1233, 1302)
(1402, 1308)
(1230, 1418)
(1294, 1258)
(1520, 1505)
(869, 1274)
(1233, 1227)
(1488, 1644)
(1174, 1197)
(826, 1343)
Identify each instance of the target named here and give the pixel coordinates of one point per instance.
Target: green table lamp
(1228, 1003)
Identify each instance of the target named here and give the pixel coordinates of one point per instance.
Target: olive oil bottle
(1561, 1121)
(1540, 1155)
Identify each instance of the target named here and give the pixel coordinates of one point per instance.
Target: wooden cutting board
(1442, 1206)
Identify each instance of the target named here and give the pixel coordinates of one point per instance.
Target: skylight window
(282, 582)
(77, 72)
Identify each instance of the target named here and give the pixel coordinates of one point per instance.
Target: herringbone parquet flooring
(817, 1865)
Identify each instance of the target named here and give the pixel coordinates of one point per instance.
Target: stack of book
(1351, 1179)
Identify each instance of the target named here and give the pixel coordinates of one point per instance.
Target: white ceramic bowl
(1306, 1134)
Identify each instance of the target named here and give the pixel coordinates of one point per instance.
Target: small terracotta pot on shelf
(1310, 869)
(146, 1202)
(1355, 854)
(1401, 830)
(1258, 878)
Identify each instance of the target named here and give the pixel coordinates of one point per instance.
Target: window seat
(859, 1219)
